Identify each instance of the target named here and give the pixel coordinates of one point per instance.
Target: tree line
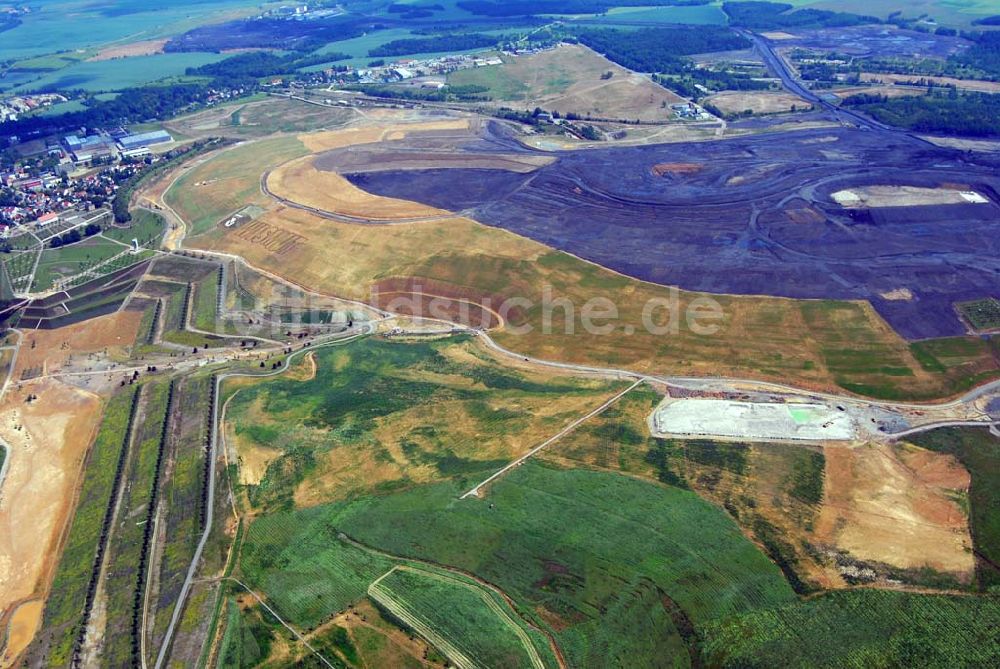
(779, 15)
(946, 112)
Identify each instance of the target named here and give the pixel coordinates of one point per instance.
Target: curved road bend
(365, 330)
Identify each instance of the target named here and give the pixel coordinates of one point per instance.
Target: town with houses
(76, 173)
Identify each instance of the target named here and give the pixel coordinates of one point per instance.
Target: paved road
(777, 65)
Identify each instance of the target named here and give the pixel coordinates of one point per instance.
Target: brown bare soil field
(964, 84)
(568, 79)
(144, 48)
(24, 623)
(896, 505)
(665, 169)
(434, 299)
(48, 438)
(760, 102)
(48, 351)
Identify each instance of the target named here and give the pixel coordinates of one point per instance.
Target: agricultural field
(55, 26)
(116, 75)
(572, 79)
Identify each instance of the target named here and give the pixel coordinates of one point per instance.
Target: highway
(777, 65)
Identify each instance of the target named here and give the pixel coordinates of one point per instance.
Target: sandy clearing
(904, 196)
(299, 181)
(897, 294)
(144, 48)
(318, 142)
(759, 102)
(895, 506)
(49, 439)
(23, 626)
(778, 35)
(48, 351)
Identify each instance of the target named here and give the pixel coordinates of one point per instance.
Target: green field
(621, 17)
(60, 25)
(146, 226)
(863, 628)
(381, 415)
(118, 74)
(62, 618)
(208, 193)
(182, 493)
(67, 261)
(602, 581)
(205, 311)
(307, 573)
(126, 545)
(947, 12)
(462, 618)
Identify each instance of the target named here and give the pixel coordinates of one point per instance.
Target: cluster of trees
(983, 55)
(8, 22)
(74, 235)
(414, 11)
(779, 15)
(402, 47)
(988, 21)
(470, 92)
(273, 33)
(132, 106)
(503, 8)
(659, 49)
(243, 70)
(970, 114)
